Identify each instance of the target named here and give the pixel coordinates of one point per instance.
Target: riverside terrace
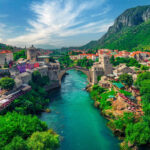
(7, 99)
(122, 103)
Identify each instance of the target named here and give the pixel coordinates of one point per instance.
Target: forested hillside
(131, 31)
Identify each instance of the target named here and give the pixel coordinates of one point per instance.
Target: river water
(75, 118)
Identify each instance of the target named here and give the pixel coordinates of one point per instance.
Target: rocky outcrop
(131, 17)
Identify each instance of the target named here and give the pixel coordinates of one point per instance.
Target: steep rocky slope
(132, 21)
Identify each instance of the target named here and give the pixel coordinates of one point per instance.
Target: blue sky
(58, 23)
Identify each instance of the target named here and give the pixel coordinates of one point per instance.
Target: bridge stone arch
(84, 70)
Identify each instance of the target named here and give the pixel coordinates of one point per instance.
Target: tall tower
(105, 63)
(32, 53)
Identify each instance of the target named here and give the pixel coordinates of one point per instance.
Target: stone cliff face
(130, 18)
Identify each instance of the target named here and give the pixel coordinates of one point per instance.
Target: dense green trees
(102, 95)
(104, 103)
(87, 63)
(20, 54)
(65, 61)
(130, 62)
(126, 79)
(96, 91)
(139, 132)
(17, 143)
(143, 82)
(20, 132)
(112, 60)
(144, 68)
(43, 141)
(122, 121)
(7, 83)
(141, 78)
(14, 124)
(31, 103)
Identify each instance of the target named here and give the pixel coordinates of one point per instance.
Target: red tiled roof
(5, 52)
(139, 52)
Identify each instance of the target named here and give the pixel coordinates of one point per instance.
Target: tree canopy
(65, 61)
(47, 140)
(14, 124)
(130, 62)
(7, 83)
(20, 54)
(87, 63)
(126, 79)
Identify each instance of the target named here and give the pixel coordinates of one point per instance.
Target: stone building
(24, 77)
(44, 58)
(5, 57)
(103, 67)
(122, 69)
(96, 71)
(32, 53)
(105, 64)
(43, 70)
(140, 56)
(105, 83)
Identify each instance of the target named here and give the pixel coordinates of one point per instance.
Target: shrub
(7, 83)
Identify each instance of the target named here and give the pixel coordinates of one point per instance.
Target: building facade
(32, 53)
(103, 67)
(5, 57)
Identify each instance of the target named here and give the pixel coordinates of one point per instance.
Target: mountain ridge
(129, 19)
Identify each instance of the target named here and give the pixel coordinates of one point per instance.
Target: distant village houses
(84, 55)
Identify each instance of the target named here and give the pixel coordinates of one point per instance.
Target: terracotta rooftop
(139, 52)
(5, 52)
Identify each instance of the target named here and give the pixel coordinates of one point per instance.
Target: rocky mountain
(130, 23)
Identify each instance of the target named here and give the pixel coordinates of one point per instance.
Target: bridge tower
(105, 64)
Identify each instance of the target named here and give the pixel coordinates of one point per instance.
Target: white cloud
(3, 15)
(55, 20)
(3, 31)
(102, 12)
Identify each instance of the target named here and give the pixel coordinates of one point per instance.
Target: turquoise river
(75, 118)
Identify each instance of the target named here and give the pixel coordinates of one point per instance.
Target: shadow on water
(74, 117)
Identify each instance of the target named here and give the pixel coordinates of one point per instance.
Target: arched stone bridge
(84, 70)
